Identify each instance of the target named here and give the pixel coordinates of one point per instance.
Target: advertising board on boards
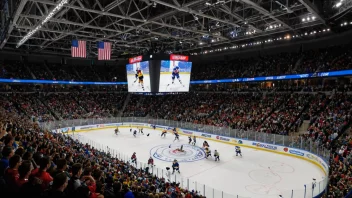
(223, 138)
(206, 135)
(267, 146)
(295, 152)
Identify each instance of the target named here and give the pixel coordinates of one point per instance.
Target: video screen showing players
(175, 76)
(138, 78)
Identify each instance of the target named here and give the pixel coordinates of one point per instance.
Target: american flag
(104, 50)
(79, 49)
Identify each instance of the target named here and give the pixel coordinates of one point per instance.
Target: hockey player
(216, 155)
(150, 161)
(180, 149)
(163, 133)
(189, 139)
(207, 152)
(141, 130)
(205, 144)
(130, 129)
(134, 158)
(140, 79)
(194, 141)
(116, 130)
(177, 136)
(176, 74)
(238, 151)
(135, 133)
(175, 166)
(136, 75)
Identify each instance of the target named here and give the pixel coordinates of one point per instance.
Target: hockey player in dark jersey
(175, 166)
(150, 161)
(189, 139)
(177, 136)
(194, 141)
(134, 158)
(205, 144)
(238, 151)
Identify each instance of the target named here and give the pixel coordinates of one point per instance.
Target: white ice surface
(166, 79)
(258, 174)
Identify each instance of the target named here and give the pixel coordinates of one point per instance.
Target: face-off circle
(188, 153)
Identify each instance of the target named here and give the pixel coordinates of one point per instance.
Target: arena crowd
(37, 163)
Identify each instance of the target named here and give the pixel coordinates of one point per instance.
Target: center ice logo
(189, 154)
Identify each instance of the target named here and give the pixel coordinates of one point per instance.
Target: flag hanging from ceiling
(79, 49)
(104, 50)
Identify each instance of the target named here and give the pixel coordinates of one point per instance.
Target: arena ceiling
(138, 26)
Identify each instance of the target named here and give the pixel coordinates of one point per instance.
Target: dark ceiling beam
(265, 12)
(312, 9)
(14, 22)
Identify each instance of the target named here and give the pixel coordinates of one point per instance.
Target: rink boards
(293, 152)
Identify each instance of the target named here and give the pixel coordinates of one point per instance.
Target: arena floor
(257, 174)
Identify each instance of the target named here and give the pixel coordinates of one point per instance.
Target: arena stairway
(29, 70)
(125, 104)
(49, 109)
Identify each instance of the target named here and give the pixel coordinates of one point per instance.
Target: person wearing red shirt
(24, 171)
(41, 173)
(11, 173)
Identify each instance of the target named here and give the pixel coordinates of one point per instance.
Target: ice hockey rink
(135, 86)
(165, 80)
(258, 174)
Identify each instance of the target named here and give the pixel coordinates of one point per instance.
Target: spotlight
(308, 18)
(303, 20)
(345, 23)
(313, 18)
(338, 4)
(154, 4)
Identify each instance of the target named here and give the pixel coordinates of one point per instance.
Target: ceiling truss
(139, 26)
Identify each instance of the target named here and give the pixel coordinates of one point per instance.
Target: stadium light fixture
(57, 8)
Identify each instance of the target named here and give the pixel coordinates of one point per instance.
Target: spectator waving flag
(104, 50)
(79, 49)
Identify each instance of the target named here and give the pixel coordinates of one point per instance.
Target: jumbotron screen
(138, 78)
(175, 76)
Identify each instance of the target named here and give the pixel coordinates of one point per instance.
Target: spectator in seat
(61, 166)
(7, 153)
(41, 174)
(127, 192)
(11, 173)
(58, 187)
(75, 181)
(24, 171)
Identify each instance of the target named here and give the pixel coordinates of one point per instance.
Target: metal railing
(309, 190)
